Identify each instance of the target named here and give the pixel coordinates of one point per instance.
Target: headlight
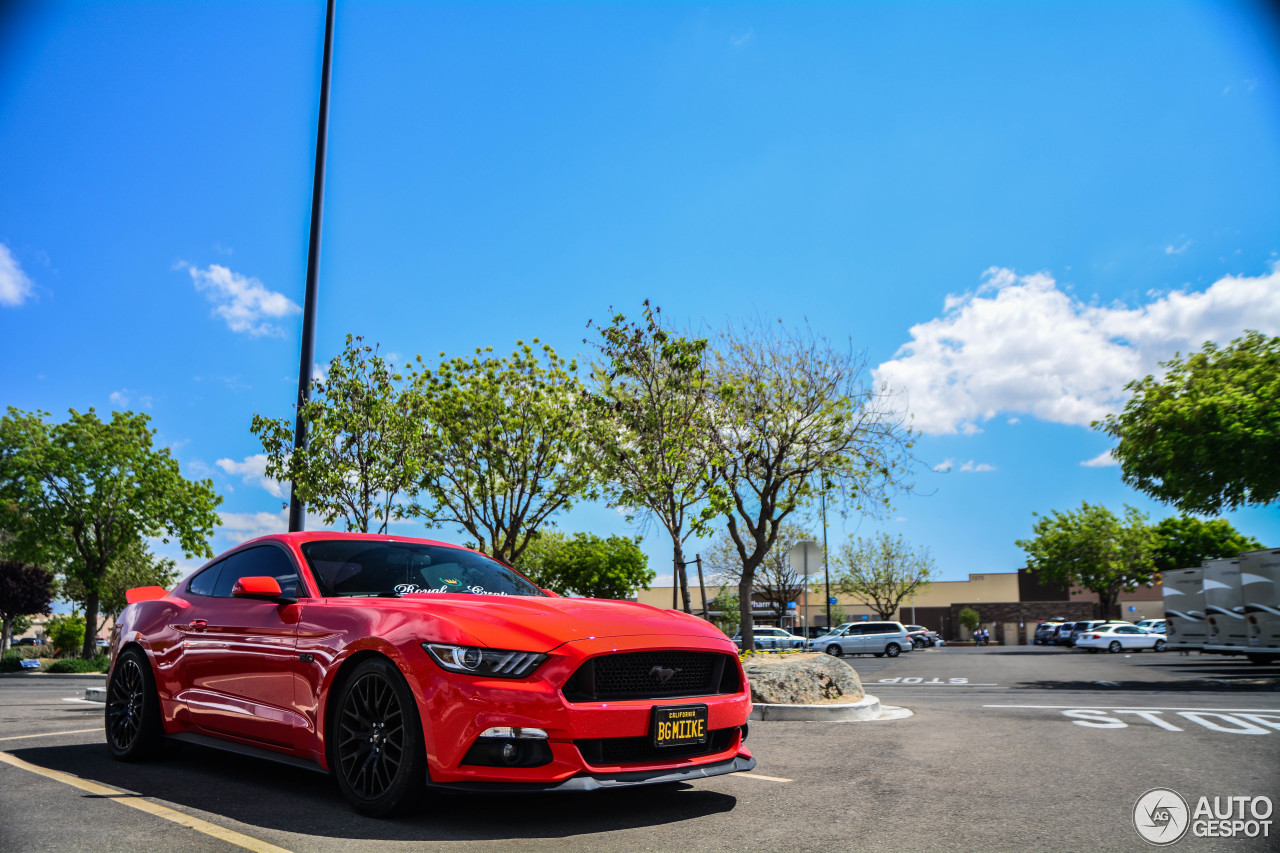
(498, 663)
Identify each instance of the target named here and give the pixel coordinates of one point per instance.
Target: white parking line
(762, 777)
(1144, 708)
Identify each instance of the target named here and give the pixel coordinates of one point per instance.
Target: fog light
(509, 752)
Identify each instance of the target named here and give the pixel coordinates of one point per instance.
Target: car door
(851, 642)
(1133, 637)
(239, 654)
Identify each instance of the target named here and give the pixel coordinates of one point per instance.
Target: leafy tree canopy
(67, 633)
(25, 589)
(970, 618)
(361, 462)
(132, 567)
(775, 578)
(1206, 436)
(882, 572)
(1186, 542)
(648, 427)
(795, 417)
(78, 493)
(1093, 549)
(504, 444)
(587, 565)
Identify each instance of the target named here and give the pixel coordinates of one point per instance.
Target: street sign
(831, 600)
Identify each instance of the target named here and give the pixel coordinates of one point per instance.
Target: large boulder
(804, 679)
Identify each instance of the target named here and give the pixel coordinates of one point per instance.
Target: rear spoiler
(145, 593)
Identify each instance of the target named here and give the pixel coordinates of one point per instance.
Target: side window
(855, 631)
(256, 562)
(204, 582)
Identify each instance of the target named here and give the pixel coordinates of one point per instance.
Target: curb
(53, 674)
(866, 709)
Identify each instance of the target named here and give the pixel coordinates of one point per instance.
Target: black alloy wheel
(892, 650)
(132, 715)
(378, 753)
(1114, 647)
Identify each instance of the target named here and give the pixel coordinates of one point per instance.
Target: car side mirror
(260, 587)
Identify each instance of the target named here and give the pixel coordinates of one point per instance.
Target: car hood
(542, 624)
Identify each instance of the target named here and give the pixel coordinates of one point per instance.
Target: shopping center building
(1009, 605)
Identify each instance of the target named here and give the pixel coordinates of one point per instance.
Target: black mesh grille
(640, 750)
(667, 674)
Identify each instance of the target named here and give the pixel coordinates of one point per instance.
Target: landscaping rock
(804, 679)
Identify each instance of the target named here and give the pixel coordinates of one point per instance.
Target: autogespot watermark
(1163, 817)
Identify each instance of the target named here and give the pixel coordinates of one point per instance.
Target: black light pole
(297, 512)
(826, 566)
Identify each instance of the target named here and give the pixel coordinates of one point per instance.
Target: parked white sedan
(1117, 638)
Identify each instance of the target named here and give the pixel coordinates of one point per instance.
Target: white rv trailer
(1224, 608)
(1260, 581)
(1185, 624)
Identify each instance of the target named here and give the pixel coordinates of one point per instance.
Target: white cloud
(124, 396)
(253, 470)
(1021, 345)
(743, 39)
(1177, 250)
(242, 526)
(978, 468)
(944, 466)
(1102, 460)
(244, 302)
(15, 286)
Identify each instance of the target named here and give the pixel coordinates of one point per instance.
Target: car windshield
(359, 567)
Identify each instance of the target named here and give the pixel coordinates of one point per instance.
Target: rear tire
(1115, 647)
(892, 650)
(376, 748)
(132, 717)
(1158, 647)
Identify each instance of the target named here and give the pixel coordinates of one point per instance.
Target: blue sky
(1012, 208)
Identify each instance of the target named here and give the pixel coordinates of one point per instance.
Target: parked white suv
(865, 638)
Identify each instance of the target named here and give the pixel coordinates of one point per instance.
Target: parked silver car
(771, 638)
(865, 638)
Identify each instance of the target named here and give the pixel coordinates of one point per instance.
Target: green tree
(1206, 436)
(882, 572)
(970, 619)
(775, 578)
(67, 633)
(133, 566)
(361, 462)
(649, 420)
(587, 565)
(1093, 549)
(503, 444)
(726, 603)
(1187, 542)
(25, 589)
(81, 492)
(795, 416)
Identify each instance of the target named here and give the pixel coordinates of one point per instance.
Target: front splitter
(601, 781)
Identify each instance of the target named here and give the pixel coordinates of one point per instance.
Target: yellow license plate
(679, 725)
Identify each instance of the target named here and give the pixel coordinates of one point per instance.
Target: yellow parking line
(763, 777)
(144, 805)
(53, 734)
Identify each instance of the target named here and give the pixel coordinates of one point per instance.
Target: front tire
(132, 717)
(377, 752)
(1115, 647)
(834, 650)
(892, 650)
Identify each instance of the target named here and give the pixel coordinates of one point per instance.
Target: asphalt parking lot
(1007, 749)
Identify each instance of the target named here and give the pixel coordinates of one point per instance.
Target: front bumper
(455, 709)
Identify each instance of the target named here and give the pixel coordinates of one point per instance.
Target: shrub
(10, 662)
(98, 664)
(66, 633)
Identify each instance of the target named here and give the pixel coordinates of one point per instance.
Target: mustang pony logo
(663, 673)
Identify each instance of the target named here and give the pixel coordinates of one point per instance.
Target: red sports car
(404, 664)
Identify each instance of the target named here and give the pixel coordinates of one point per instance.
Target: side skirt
(246, 750)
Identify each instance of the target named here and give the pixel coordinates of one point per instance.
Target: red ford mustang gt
(404, 664)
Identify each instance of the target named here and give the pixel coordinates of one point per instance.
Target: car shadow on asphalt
(273, 796)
